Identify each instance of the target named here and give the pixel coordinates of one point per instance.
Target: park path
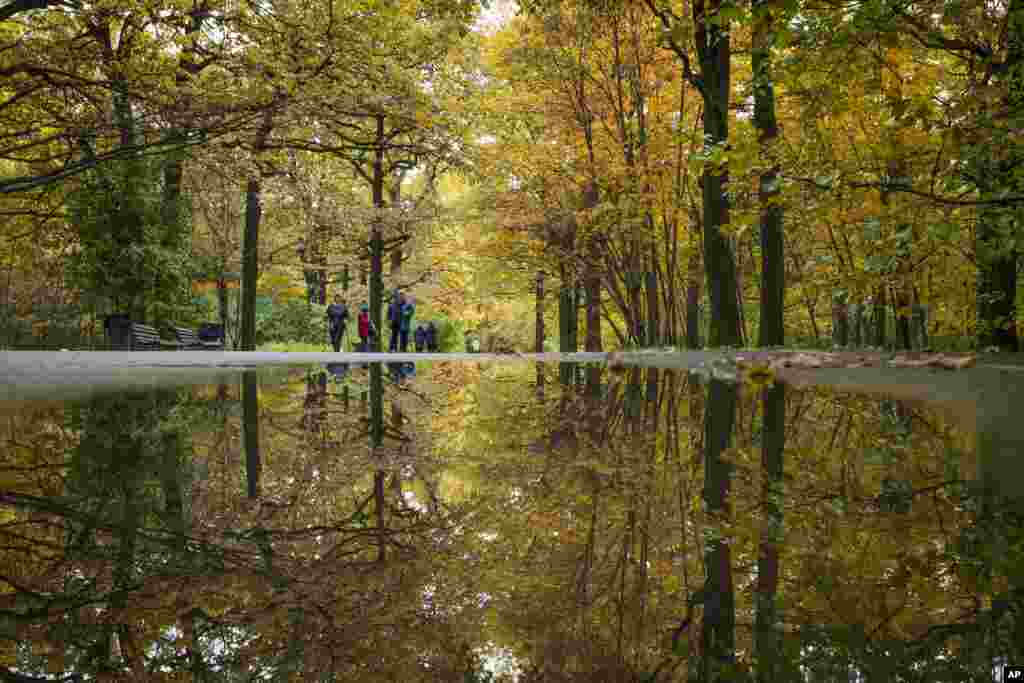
(56, 374)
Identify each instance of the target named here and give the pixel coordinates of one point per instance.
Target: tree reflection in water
(625, 527)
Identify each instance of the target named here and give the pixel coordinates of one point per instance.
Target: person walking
(407, 312)
(431, 337)
(420, 337)
(395, 319)
(366, 330)
(337, 321)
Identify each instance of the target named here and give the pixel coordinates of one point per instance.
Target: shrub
(294, 320)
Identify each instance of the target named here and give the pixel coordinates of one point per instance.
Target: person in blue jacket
(407, 312)
(337, 319)
(420, 337)
(395, 319)
(431, 334)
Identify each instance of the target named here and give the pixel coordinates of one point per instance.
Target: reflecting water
(474, 522)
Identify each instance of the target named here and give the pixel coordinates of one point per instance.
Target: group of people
(401, 311)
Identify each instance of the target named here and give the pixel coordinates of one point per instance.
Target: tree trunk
(634, 283)
(250, 263)
(651, 287)
(222, 308)
(770, 328)
(996, 288)
(566, 336)
(564, 307)
(593, 290)
(396, 251)
(539, 322)
(693, 340)
(376, 239)
(901, 313)
(713, 47)
(879, 317)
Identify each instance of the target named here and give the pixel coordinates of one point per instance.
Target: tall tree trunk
(879, 316)
(376, 238)
(693, 340)
(901, 310)
(566, 333)
(997, 266)
(713, 48)
(651, 288)
(770, 328)
(996, 287)
(767, 634)
(593, 311)
(396, 198)
(250, 262)
(222, 307)
(538, 345)
(635, 283)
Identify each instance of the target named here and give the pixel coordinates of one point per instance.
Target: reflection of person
(401, 371)
(338, 370)
(337, 318)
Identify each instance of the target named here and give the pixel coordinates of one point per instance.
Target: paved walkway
(65, 374)
(60, 374)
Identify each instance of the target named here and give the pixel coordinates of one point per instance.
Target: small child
(366, 330)
(420, 338)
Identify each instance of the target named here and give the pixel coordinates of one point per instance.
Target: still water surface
(484, 522)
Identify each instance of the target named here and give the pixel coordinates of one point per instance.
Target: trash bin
(118, 328)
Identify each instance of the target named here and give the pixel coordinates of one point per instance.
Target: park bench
(146, 337)
(189, 339)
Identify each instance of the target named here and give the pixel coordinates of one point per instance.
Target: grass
(288, 347)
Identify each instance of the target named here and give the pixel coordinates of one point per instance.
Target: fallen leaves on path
(937, 361)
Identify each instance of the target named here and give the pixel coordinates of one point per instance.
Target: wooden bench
(189, 339)
(146, 337)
